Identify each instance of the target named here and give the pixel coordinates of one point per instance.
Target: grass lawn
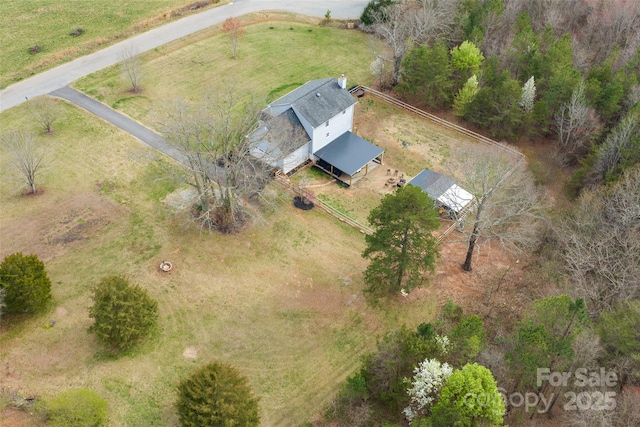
(427, 145)
(273, 58)
(47, 23)
(282, 301)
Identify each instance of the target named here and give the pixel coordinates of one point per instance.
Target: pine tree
(217, 395)
(124, 314)
(402, 247)
(26, 284)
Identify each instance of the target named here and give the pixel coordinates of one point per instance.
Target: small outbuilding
(443, 191)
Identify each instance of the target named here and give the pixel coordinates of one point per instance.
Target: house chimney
(342, 82)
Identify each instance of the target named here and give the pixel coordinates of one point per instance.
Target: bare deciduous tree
(44, 111)
(234, 29)
(28, 156)
(409, 23)
(131, 67)
(601, 244)
(577, 124)
(611, 151)
(220, 160)
(508, 205)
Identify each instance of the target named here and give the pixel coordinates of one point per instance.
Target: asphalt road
(125, 123)
(62, 75)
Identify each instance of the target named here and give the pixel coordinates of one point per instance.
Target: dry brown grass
(428, 146)
(272, 301)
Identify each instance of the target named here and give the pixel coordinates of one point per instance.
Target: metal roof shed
(442, 189)
(349, 153)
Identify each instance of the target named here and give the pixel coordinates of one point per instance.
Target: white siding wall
(270, 160)
(338, 125)
(296, 158)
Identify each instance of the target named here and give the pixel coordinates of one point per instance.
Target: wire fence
(286, 183)
(471, 134)
(302, 192)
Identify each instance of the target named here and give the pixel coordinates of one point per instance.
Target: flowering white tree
(528, 95)
(430, 376)
(443, 342)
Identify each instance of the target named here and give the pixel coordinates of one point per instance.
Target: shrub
(217, 395)
(3, 292)
(77, 408)
(25, 281)
(124, 314)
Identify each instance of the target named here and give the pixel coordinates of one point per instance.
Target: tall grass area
(282, 301)
(273, 59)
(47, 23)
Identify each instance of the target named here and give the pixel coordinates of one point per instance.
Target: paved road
(125, 123)
(62, 75)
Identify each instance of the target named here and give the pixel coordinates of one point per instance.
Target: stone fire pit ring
(166, 266)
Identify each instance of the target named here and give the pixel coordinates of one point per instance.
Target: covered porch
(349, 158)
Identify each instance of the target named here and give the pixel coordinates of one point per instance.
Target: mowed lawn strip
(48, 24)
(273, 59)
(282, 301)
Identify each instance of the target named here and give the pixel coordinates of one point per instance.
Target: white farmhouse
(315, 122)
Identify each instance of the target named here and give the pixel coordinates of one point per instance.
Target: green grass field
(282, 301)
(273, 59)
(47, 23)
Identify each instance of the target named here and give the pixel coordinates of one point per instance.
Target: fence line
(286, 183)
(436, 119)
(283, 181)
(471, 134)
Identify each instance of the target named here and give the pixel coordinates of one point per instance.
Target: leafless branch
(131, 66)
(28, 156)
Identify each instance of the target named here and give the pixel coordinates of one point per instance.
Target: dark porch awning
(349, 153)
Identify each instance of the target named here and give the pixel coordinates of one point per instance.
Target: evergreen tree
(26, 284)
(124, 314)
(619, 332)
(544, 338)
(401, 247)
(217, 395)
(426, 76)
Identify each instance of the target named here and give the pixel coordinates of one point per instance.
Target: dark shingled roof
(432, 183)
(316, 109)
(349, 153)
(280, 133)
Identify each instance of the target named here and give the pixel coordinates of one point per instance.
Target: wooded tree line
(567, 69)
(524, 69)
(417, 376)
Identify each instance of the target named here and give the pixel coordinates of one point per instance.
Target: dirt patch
(60, 313)
(56, 224)
(10, 417)
(181, 199)
(190, 353)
